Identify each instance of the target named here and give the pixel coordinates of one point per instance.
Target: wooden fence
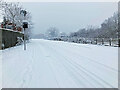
(98, 41)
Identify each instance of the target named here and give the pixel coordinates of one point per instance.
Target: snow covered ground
(53, 64)
(0, 69)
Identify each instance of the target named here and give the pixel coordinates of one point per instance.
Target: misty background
(68, 17)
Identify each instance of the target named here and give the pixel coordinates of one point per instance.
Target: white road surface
(57, 64)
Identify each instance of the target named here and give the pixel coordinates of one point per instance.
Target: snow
(11, 30)
(0, 69)
(57, 64)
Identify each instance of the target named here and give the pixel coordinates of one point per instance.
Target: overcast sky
(68, 17)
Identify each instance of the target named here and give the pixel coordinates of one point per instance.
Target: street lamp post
(25, 25)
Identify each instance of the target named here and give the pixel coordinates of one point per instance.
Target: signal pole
(25, 25)
(24, 40)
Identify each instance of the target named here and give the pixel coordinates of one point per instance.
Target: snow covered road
(53, 64)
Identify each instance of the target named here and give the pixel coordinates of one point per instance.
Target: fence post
(118, 42)
(102, 41)
(83, 41)
(96, 40)
(91, 41)
(110, 41)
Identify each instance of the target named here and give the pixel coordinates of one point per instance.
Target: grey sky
(68, 17)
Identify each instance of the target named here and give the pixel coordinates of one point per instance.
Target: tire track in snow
(70, 66)
(27, 75)
(47, 54)
(54, 57)
(84, 69)
(54, 74)
(78, 73)
(71, 69)
(92, 60)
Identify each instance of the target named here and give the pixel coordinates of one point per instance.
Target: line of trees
(108, 29)
(107, 33)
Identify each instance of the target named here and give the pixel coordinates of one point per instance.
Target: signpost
(25, 25)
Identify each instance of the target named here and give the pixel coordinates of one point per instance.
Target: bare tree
(11, 11)
(1, 8)
(52, 32)
(109, 28)
(0, 3)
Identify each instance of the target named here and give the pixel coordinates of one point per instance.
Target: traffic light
(25, 24)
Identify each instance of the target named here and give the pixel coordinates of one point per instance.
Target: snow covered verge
(57, 64)
(0, 69)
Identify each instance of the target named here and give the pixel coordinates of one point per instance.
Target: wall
(8, 38)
